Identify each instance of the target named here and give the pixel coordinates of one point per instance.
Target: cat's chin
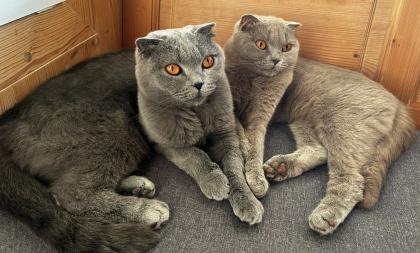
(196, 101)
(199, 100)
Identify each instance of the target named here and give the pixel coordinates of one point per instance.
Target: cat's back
(87, 83)
(325, 93)
(104, 84)
(337, 86)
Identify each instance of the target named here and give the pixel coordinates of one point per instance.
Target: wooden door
(39, 46)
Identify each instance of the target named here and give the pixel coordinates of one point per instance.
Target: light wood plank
(334, 32)
(26, 45)
(378, 37)
(57, 39)
(23, 87)
(401, 67)
(137, 20)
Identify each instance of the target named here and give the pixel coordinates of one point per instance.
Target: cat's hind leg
(309, 154)
(111, 206)
(344, 191)
(387, 150)
(90, 188)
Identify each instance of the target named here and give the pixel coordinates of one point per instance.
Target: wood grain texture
(139, 18)
(400, 72)
(105, 18)
(377, 37)
(28, 44)
(401, 66)
(334, 32)
(23, 87)
(38, 47)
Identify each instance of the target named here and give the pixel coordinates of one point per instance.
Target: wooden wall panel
(139, 18)
(400, 71)
(29, 43)
(334, 32)
(378, 36)
(43, 45)
(105, 18)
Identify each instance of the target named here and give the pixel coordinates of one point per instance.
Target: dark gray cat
(186, 109)
(337, 116)
(64, 153)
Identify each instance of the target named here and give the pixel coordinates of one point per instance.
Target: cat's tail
(387, 151)
(29, 200)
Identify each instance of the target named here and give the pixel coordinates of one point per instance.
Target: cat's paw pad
(215, 185)
(323, 220)
(279, 168)
(247, 208)
(138, 186)
(155, 214)
(257, 183)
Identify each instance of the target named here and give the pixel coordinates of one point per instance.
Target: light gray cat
(337, 116)
(186, 109)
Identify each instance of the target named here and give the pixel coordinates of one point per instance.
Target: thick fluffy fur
(254, 78)
(194, 127)
(342, 118)
(64, 154)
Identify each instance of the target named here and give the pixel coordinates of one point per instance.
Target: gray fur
(337, 116)
(193, 129)
(78, 134)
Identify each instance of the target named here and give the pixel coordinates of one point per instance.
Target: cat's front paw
(138, 186)
(246, 207)
(324, 220)
(257, 182)
(155, 213)
(215, 185)
(281, 167)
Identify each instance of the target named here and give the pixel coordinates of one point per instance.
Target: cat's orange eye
(173, 69)
(261, 44)
(287, 47)
(208, 62)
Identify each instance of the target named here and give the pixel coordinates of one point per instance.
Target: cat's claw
(215, 185)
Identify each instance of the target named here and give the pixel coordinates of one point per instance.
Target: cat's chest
(242, 94)
(190, 127)
(207, 119)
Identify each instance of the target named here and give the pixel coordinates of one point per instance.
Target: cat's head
(263, 45)
(182, 65)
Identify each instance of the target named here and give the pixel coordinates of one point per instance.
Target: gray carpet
(201, 225)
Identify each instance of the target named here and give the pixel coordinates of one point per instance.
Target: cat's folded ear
(205, 29)
(248, 21)
(146, 44)
(293, 26)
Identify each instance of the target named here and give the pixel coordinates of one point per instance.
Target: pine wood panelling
(43, 45)
(23, 87)
(105, 19)
(139, 18)
(27, 45)
(333, 31)
(400, 72)
(378, 36)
